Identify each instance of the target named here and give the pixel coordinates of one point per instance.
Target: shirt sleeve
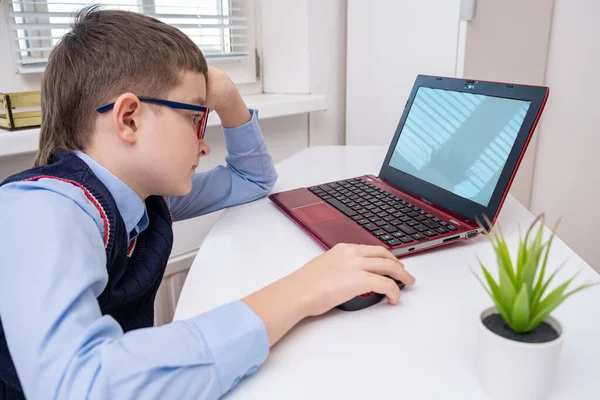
(249, 174)
(53, 268)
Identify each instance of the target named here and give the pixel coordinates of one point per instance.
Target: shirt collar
(131, 207)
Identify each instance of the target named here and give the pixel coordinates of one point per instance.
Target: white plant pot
(511, 370)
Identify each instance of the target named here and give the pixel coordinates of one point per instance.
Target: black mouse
(365, 300)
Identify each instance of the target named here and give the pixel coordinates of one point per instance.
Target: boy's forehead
(192, 88)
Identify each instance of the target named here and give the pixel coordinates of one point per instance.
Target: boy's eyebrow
(198, 100)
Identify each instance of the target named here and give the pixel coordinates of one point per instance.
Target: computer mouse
(365, 300)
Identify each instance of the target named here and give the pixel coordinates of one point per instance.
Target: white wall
(567, 178)
(389, 44)
(304, 51)
(327, 63)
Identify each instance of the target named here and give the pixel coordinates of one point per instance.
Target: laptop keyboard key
(452, 228)
(420, 218)
(406, 239)
(394, 242)
(395, 222)
(385, 238)
(379, 232)
(389, 228)
(342, 207)
(381, 223)
(412, 223)
(441, 230)
(407, 229)
(420, 228)
(363, 221)
(431, 224)
(357, 217)
(430, 233)
(419, 236)
(371, 227)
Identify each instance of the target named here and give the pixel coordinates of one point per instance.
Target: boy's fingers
(386, 286)
(391, 268)
(375, 251)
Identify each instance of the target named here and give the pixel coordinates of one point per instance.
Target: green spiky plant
(520, 293)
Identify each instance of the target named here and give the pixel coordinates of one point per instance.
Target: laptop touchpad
(316, 213)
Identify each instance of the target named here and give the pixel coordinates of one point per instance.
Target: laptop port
(451, 239)
(471, 235)
(411, 249)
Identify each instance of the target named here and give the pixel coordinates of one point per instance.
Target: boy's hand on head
(325, 282)
(223, 97)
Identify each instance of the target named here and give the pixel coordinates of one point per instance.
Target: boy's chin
(182, 190)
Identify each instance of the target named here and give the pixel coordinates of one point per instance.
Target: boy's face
(169, 146)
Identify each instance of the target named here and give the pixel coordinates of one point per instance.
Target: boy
(87, 233)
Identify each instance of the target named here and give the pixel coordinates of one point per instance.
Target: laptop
(445, 176)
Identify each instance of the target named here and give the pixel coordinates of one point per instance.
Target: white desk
(423, 348)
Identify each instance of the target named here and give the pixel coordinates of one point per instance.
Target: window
(223, 29)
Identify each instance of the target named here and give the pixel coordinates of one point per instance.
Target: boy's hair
(107, 53)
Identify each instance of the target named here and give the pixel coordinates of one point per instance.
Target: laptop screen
(459, 141)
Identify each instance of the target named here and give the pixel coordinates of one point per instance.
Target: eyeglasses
(198, 120)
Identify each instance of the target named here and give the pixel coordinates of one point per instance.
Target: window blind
(220, 28)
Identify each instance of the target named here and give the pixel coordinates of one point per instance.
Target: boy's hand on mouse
(223, 97)
(325, 282)
(347, 271)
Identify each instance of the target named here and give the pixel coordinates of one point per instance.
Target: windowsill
(269, 106)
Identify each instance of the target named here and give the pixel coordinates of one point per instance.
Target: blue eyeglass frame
(172, 104)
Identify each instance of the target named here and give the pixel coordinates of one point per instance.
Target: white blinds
(221, 28)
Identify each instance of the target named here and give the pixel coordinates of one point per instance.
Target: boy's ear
(126, 117)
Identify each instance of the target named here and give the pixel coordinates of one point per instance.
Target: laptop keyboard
(391, 219)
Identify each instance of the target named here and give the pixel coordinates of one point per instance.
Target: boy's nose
(203, 148)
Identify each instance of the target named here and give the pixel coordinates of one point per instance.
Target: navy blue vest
(134, 271)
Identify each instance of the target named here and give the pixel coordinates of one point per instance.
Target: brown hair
(107, 53)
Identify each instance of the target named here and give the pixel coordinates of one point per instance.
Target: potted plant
(519, 341)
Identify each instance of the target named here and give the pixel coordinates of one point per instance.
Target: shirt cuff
(237, 339)
(244, 138)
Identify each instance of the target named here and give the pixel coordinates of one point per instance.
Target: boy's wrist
(280, 305)
(234, 111)
(225, 100)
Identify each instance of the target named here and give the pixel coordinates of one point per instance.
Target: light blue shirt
(53, 268)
